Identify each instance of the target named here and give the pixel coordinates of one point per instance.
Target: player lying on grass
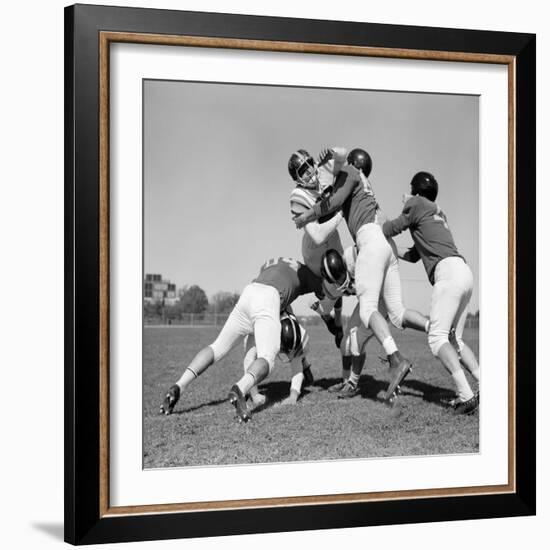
(451, 278)
(353, 194)
(313, 180)
(294, 347)
(280, 282)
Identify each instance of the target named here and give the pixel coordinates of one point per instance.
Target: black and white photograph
(274, 275)
(310, 274)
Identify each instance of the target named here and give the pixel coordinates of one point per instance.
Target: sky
(216, 185)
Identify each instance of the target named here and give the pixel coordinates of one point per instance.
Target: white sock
(354, 378)
(389, 345)
(296, 383)
(462, 387)
(246, 382)
(186, 378)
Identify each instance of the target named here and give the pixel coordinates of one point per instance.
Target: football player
(294, 346)
(313, 180)
(339, 271)
(293, 349)
(280, 282)
(353, 194)
(451, 278)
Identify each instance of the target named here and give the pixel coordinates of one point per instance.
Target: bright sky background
(216, 185)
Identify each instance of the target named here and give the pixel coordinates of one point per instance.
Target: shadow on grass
(214, 403)
(429, 393)
(372, 388)
(369, 388)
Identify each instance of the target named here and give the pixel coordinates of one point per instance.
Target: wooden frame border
(105, 40)
(88, 516)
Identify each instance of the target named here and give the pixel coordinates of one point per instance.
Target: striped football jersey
(302, 199)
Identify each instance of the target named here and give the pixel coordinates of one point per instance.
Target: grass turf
(203, 430)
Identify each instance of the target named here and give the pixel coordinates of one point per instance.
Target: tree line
(192, 299)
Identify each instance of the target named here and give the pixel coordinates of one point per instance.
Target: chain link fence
(219, 319)
(189, 320)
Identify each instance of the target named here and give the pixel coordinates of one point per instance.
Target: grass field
(203, 431)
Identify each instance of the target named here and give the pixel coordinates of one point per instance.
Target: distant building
(159, 290)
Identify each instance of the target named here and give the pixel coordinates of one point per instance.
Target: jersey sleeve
(343, 187)
(309, 281)
(300, 201)
(321, 231)
(407, 219)
(412, 255)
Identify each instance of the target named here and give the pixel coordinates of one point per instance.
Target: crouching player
(280, 282)
(294, 346)
(451, 278)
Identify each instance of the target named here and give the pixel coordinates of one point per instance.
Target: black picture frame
(84, 521)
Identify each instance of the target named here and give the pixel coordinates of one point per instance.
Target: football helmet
(425, 185)
(334, 269)
(303, 169)
(293, 337)
(361, 160)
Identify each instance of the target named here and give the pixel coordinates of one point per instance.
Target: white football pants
(257, 312)
(374, 256)
(451, 294)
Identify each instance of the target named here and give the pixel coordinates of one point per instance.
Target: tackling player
(293, 349)
(353, 194)
(451, 278)
(340, 272)
(280, 282)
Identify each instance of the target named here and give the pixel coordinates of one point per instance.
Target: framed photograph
(298, 274)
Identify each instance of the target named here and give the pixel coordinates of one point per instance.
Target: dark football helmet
(361, 160)
(303, 169)
(291, 334)
(425, 185)
(334, 270)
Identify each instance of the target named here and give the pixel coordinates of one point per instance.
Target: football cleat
(401, 367)
(170, 400)
(339, 386)
(466, 407)
(349, 390)
(238, 400)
